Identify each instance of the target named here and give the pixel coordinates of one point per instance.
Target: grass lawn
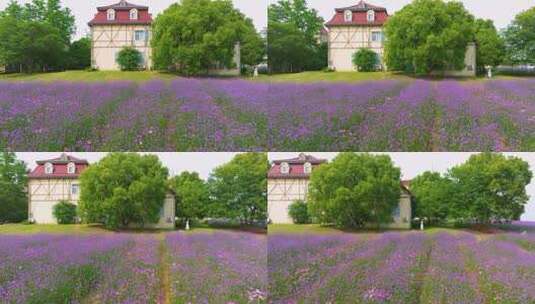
(89, 76)
(318, 76)
(62, 229)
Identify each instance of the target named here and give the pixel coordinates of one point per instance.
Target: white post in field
(187, 225)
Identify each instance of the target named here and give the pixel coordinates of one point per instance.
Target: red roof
(359, 15)
(297, 167)
(60, 168)
(122, 15)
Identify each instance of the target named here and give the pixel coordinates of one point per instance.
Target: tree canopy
(238, 188)
(13, 182)
(293, 44)
(433, 195)
(520, 38)
(192, 196)
(123, 189)
(492, 186)
(490, 46)
(428, 35)
(35, 36)
(194, 36)
(355, 189)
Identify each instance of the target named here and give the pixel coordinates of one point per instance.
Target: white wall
(344, 41)
(281, 194)
(45, 193)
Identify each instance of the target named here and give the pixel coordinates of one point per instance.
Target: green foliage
(365, 60)
(492, 186)
(129, 59)
(13, 182)
(293, 31)
(80, 54)
(192, 196)
(65, 212)
(490, 46)
(123, 188)
(298, 211)
(520, 38)
(238, 188)
(35, 36)
(194, 36)
(355, 189)
(433, 196)
(427, 36)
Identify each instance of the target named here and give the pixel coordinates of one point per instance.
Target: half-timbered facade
(53, 181)
(353, 28)
(288, 181)
(117, 26)
(57, 179)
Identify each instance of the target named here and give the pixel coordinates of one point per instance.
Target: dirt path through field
(165, 282)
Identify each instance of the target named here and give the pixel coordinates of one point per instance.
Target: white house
(117, 26)
(362, 26)
(57, 179)
(288, 181)
(353, 28)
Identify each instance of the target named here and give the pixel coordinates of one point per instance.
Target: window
(377, 37)
(285, 168)
(49, 168)
(75, 189)
(71, 168)
(308, 168)
(348, 16)
(133, 14)
(111, 14)
(371, 16)
(140, 35)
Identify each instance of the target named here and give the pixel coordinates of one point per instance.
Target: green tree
(238, 188)
(492, 186)
(288, 50)
(194, 36)
(129, 59)
(520, 38)
(293, 43)
(434, 196)
(192, 195)
(65, 212)
(35, 36)
(298, 211)
(123, 188)
(80, 54)
(13, 183)
(427, 36)
(490, 46)
(365, 60)
(355, 189)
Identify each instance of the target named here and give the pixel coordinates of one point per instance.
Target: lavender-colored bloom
(229, 115)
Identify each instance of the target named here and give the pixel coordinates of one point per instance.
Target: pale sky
(502, 12)
(84, 10)
(413, 164)
(203, 163)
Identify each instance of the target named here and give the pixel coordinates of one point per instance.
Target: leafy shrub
(365, 60)
(298, 211)
(65, 212)
(129, 59)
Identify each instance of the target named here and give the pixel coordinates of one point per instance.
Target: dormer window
(285, 168)
(371, 16)
(307, 168)
(133, 14)
(348, 16)
(49, 168)
(71, 168)
(111, 14)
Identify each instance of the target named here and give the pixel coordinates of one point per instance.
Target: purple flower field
(236, 115)
(397, 267)
(133, 268)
